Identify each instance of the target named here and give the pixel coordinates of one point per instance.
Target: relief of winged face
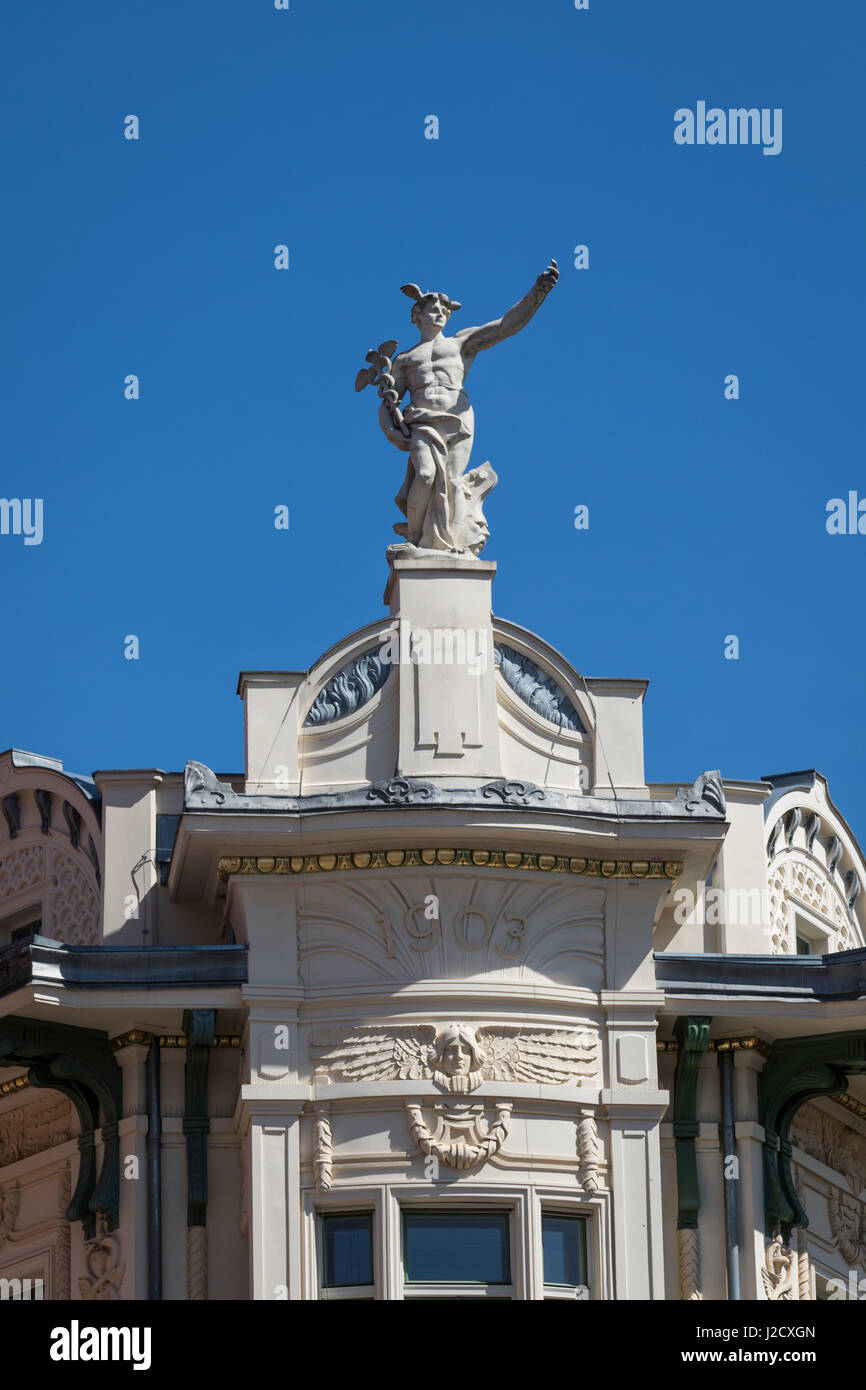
(458, 1058)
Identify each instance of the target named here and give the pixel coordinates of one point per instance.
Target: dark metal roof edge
(44, 961)
(837, 977)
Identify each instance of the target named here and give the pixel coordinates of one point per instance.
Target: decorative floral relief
(536, 689)
(349, 689)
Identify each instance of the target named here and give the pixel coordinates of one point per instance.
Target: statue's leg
(459, 449)
(418, 500)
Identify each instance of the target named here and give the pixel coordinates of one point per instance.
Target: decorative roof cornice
(204, 792)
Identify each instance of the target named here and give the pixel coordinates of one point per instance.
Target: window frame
(820, 932)
(425, 1289)
(324, 1217)
(343, 1202)
(567, 1291)
(525, 1202)
(488, 1199)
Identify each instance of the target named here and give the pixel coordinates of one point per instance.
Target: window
(457, 1254)
(347, 1255)
(810, 934)
(563, 1240)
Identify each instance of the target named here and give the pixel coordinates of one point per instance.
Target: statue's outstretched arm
(474, 340)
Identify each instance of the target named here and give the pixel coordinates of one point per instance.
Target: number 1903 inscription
(471, 928)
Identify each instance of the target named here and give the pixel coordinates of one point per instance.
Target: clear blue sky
(306, 127)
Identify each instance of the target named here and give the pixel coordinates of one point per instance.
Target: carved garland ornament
(462, 1137)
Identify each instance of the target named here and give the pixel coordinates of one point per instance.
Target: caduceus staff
(379, 374)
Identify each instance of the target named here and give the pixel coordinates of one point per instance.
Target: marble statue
(440, 499)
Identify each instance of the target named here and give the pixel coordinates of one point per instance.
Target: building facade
(439, 998)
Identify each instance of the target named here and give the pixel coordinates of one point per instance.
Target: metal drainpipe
(731, 1184)
(154, 1174)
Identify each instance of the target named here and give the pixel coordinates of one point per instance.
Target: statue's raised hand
(548, 278)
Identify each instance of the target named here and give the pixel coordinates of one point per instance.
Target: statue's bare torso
(433, 373)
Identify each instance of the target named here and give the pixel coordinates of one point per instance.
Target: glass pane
(562, 1242)
(464, 1247)
(348, 1248)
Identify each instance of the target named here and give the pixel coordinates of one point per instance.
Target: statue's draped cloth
(431, 514)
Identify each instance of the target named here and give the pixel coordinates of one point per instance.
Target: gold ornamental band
(669, 869)
(750, 1044)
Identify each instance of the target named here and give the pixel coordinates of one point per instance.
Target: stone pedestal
(440, 607)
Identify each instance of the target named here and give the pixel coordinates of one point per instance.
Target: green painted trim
(198, 1025)
(693, 1039)
(797, 1070)
(87, 1109)
(79, 1063)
